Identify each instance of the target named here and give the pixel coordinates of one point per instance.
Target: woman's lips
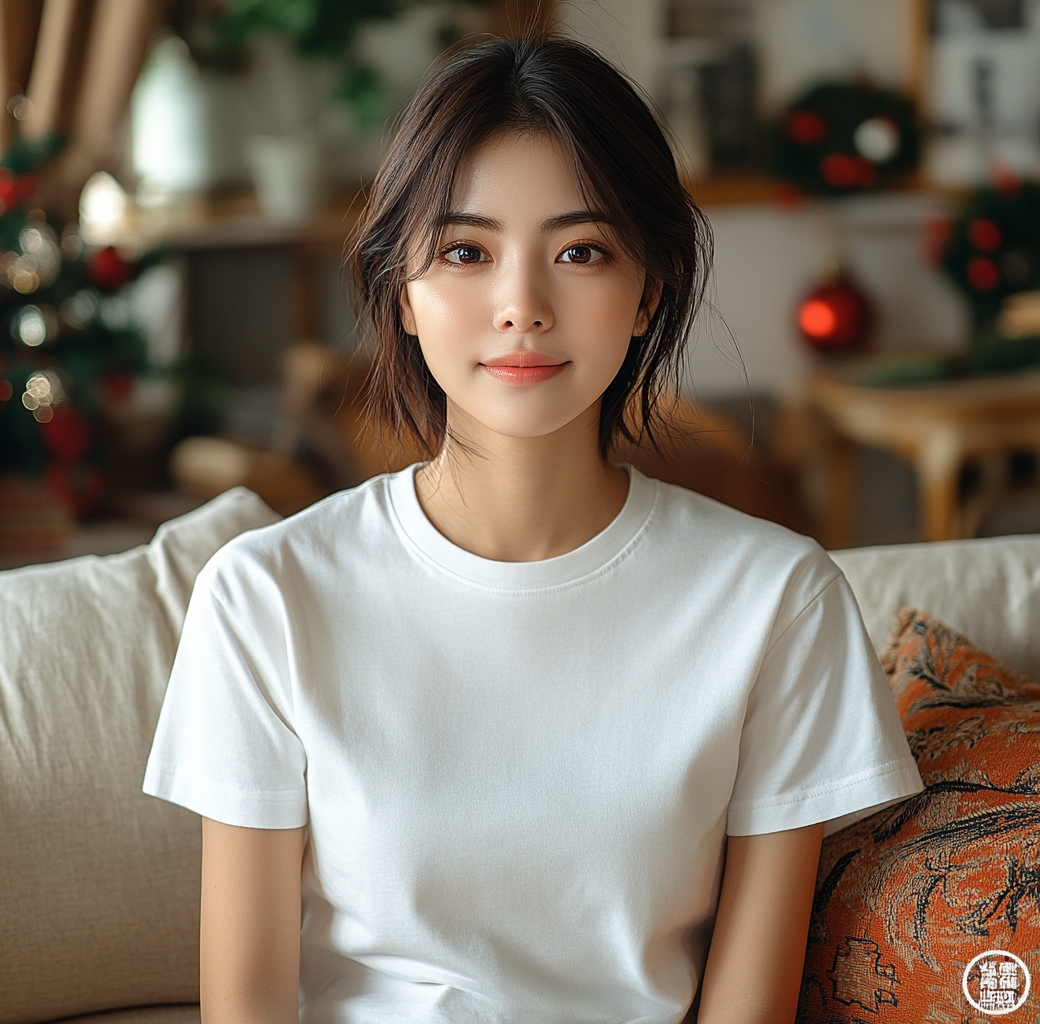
(523, 367)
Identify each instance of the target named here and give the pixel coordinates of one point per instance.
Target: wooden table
(939, 428)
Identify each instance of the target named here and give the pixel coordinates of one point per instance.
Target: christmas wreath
(839, 139)
(990, 249)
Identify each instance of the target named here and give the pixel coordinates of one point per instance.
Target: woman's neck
(521, 499)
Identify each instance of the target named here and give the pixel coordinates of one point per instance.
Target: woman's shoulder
(695, 515)
(320, 534)
(702, 533)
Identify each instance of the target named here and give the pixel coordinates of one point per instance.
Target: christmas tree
(64, 348)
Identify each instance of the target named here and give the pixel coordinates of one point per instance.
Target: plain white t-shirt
(517, 778)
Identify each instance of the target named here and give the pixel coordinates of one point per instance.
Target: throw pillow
(907, 898)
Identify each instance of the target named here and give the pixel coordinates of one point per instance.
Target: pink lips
(523, 367)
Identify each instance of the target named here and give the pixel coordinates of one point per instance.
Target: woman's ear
(407, 317)
(651, 299)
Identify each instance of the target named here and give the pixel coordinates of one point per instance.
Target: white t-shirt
(518, 777)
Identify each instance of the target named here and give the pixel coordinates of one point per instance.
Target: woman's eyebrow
(470, 220)
(564, 220)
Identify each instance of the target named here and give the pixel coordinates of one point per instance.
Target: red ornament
(25, 186)
(108, 270)
(842, 171)
(1005, 180)
(118, 385)
(787, 196)
(806, 127)
(66, 434)
(984, 234)
(983, 275)
(937, 231)
(836, 317)
(8, 195)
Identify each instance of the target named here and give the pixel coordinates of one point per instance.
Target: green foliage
(994, 353)
(318, 29)
(322, 28)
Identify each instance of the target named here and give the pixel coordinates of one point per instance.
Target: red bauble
(982, 273)
(119, 385)
(806, 127)
(25, 186)
(984, 234)
(836, 317)
(66, 434)
(842, 171)
(108, 270)
(937, 232)
(8, 195)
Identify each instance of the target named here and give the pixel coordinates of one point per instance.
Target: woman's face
(526, 314)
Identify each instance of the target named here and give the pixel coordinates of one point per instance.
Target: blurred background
(179, 177)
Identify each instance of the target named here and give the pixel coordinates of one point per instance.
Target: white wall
(803, 42)
(628, 32)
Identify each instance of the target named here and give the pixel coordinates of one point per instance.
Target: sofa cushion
(99, 884)
(906, 898)
(179, 1014)
(989, 589)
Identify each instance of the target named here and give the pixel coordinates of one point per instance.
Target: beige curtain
(67, 67)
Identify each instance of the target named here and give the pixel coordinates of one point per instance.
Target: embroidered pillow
(907, 898)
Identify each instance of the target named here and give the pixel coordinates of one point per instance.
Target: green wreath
(839, 139)
(991, 247)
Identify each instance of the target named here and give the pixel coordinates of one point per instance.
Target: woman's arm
(250, 936)
(754, 968)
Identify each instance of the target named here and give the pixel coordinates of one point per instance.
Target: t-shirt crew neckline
(594, 555)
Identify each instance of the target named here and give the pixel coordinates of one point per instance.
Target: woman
(529, 736)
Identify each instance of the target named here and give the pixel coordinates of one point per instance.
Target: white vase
(288, 175)
(168, 125)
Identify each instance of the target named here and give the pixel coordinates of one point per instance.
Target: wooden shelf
(233, 221)
(730, 188)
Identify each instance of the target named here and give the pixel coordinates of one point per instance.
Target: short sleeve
(822, 739)
(224, 745)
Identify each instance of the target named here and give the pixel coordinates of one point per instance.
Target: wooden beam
(121, 32)
(19, 23)
(60, 50)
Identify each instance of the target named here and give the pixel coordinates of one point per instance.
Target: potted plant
(321, 73)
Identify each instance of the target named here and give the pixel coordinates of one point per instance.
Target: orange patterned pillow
(907, 898)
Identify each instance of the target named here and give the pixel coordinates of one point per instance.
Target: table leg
(306, 285)
(841, 502)
(939, 464)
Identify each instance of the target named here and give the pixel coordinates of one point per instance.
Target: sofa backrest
(99, 884)
(989, 590)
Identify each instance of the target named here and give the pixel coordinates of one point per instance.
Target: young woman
(528, 736)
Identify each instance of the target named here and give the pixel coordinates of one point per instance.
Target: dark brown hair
(564, 89)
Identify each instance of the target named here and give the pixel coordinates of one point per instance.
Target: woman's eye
(581, 254)
(464, 254)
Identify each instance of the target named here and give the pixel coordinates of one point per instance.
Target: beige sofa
(99, 884)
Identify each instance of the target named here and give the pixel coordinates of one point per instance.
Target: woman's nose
(523, 304)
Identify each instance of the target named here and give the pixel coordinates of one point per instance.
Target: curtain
(67, 68)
